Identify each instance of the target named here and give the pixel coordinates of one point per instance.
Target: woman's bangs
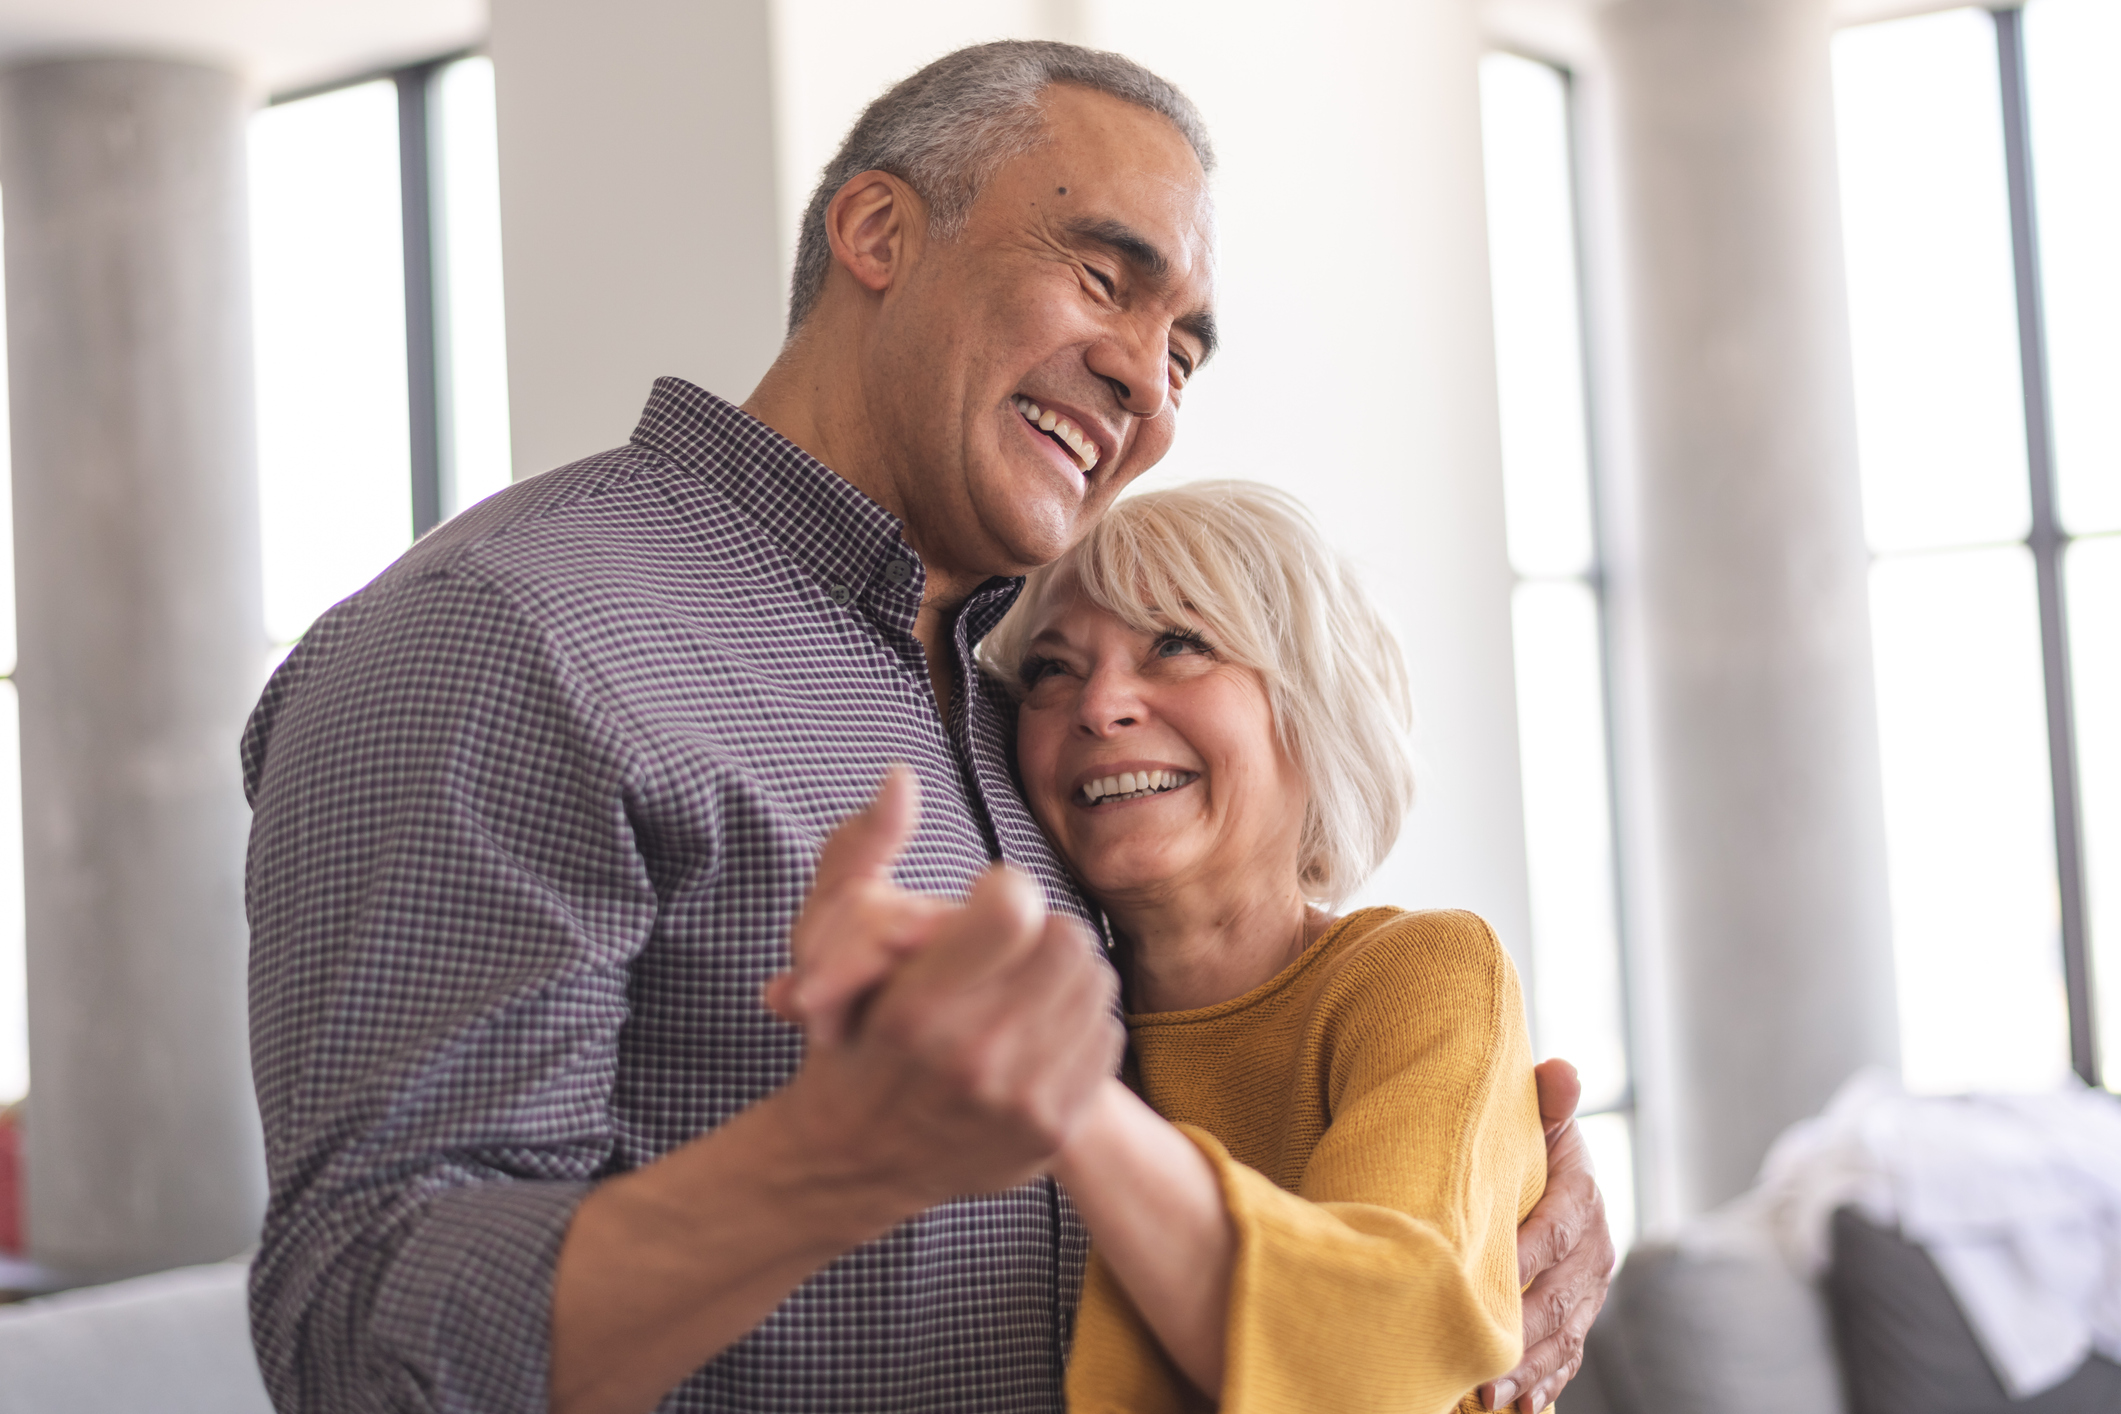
(1147, 570)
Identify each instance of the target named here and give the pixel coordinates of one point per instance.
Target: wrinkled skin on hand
(1564, 1251)
(962, 1040)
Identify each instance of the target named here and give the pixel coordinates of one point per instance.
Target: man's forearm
(972, 1063)
(665, 1267)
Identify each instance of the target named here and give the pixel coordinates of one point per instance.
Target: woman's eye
(1036, 670)
(1178, 645)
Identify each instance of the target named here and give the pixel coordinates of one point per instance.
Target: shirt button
(898, 571)
(841, 594)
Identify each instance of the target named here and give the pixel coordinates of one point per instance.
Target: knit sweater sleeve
(1387, 1280)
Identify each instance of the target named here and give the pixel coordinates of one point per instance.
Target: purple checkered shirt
(533, 814)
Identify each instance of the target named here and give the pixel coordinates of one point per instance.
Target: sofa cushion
(173, 1343)
(1721, 1327)
(1906, 1347)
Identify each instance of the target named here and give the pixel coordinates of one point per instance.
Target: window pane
(14, 990)
(1576, 1000)
(1932, 307)
(328, 276)
(2093, 579)
(1538, 354)
(1969, 823)
(468, 214)
(2070, 49)
(1611, 1140)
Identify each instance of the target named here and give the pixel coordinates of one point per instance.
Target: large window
(382, 382)
(328, 277)
(382, 379)
(1981, 191)
(1576, 983)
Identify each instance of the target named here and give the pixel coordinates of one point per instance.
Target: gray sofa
(1708, 1327)
(177, 1342)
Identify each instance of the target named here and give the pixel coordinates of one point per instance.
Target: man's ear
(874, 225)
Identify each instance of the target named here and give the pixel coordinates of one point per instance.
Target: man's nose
(1134, 363)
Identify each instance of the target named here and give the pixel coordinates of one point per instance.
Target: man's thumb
(868, 843)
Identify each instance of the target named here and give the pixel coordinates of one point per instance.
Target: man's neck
(818, 408)
(811, 406)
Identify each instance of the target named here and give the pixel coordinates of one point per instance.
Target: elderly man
(535, 812)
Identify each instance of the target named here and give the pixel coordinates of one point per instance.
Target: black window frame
(2048, 541)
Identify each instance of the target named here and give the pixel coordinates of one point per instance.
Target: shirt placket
(891, 606)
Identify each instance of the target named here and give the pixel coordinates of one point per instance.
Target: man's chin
(1030, 552)
(1028, 536)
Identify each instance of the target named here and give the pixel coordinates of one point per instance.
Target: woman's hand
(1156, 1215)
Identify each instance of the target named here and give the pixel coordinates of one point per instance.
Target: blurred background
(1724, 395)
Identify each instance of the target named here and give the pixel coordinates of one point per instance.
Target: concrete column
(1752, 810)
(137, 583)
(638, 210)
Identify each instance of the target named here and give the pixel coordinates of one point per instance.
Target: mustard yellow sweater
(1372, 1116)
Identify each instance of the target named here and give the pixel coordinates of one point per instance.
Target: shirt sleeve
(1388, 1280)
(444, 893)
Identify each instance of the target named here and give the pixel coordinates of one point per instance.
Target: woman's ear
(873, 225)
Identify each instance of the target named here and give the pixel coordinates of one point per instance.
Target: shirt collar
(848, 542)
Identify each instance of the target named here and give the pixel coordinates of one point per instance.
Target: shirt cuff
(466, 1305)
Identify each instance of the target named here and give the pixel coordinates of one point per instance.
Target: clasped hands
(957, 1045)
(951, 1047)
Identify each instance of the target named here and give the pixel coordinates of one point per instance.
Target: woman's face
(1153, 765)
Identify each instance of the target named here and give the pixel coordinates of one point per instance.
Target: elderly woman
(1316, 1208)
(1305, 1192)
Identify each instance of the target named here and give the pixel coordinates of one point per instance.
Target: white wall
(638, 200)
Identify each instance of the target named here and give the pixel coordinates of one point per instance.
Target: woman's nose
(1109, 703)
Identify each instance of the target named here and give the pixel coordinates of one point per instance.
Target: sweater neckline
(1281, 980)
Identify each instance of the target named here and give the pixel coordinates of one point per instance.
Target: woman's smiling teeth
(1133, 785)
(1061, 430)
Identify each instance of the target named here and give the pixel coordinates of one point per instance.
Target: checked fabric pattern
(533, 814)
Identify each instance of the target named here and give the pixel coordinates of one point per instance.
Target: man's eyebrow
(1127, 243)
(1139, 251)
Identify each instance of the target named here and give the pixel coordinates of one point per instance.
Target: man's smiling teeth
(1071, 436)
(1133, 785)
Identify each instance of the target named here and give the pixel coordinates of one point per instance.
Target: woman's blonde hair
(1247, 567)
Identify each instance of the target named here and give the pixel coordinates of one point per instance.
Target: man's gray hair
(946, 130)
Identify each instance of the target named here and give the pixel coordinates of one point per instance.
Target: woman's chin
(1120, 877)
